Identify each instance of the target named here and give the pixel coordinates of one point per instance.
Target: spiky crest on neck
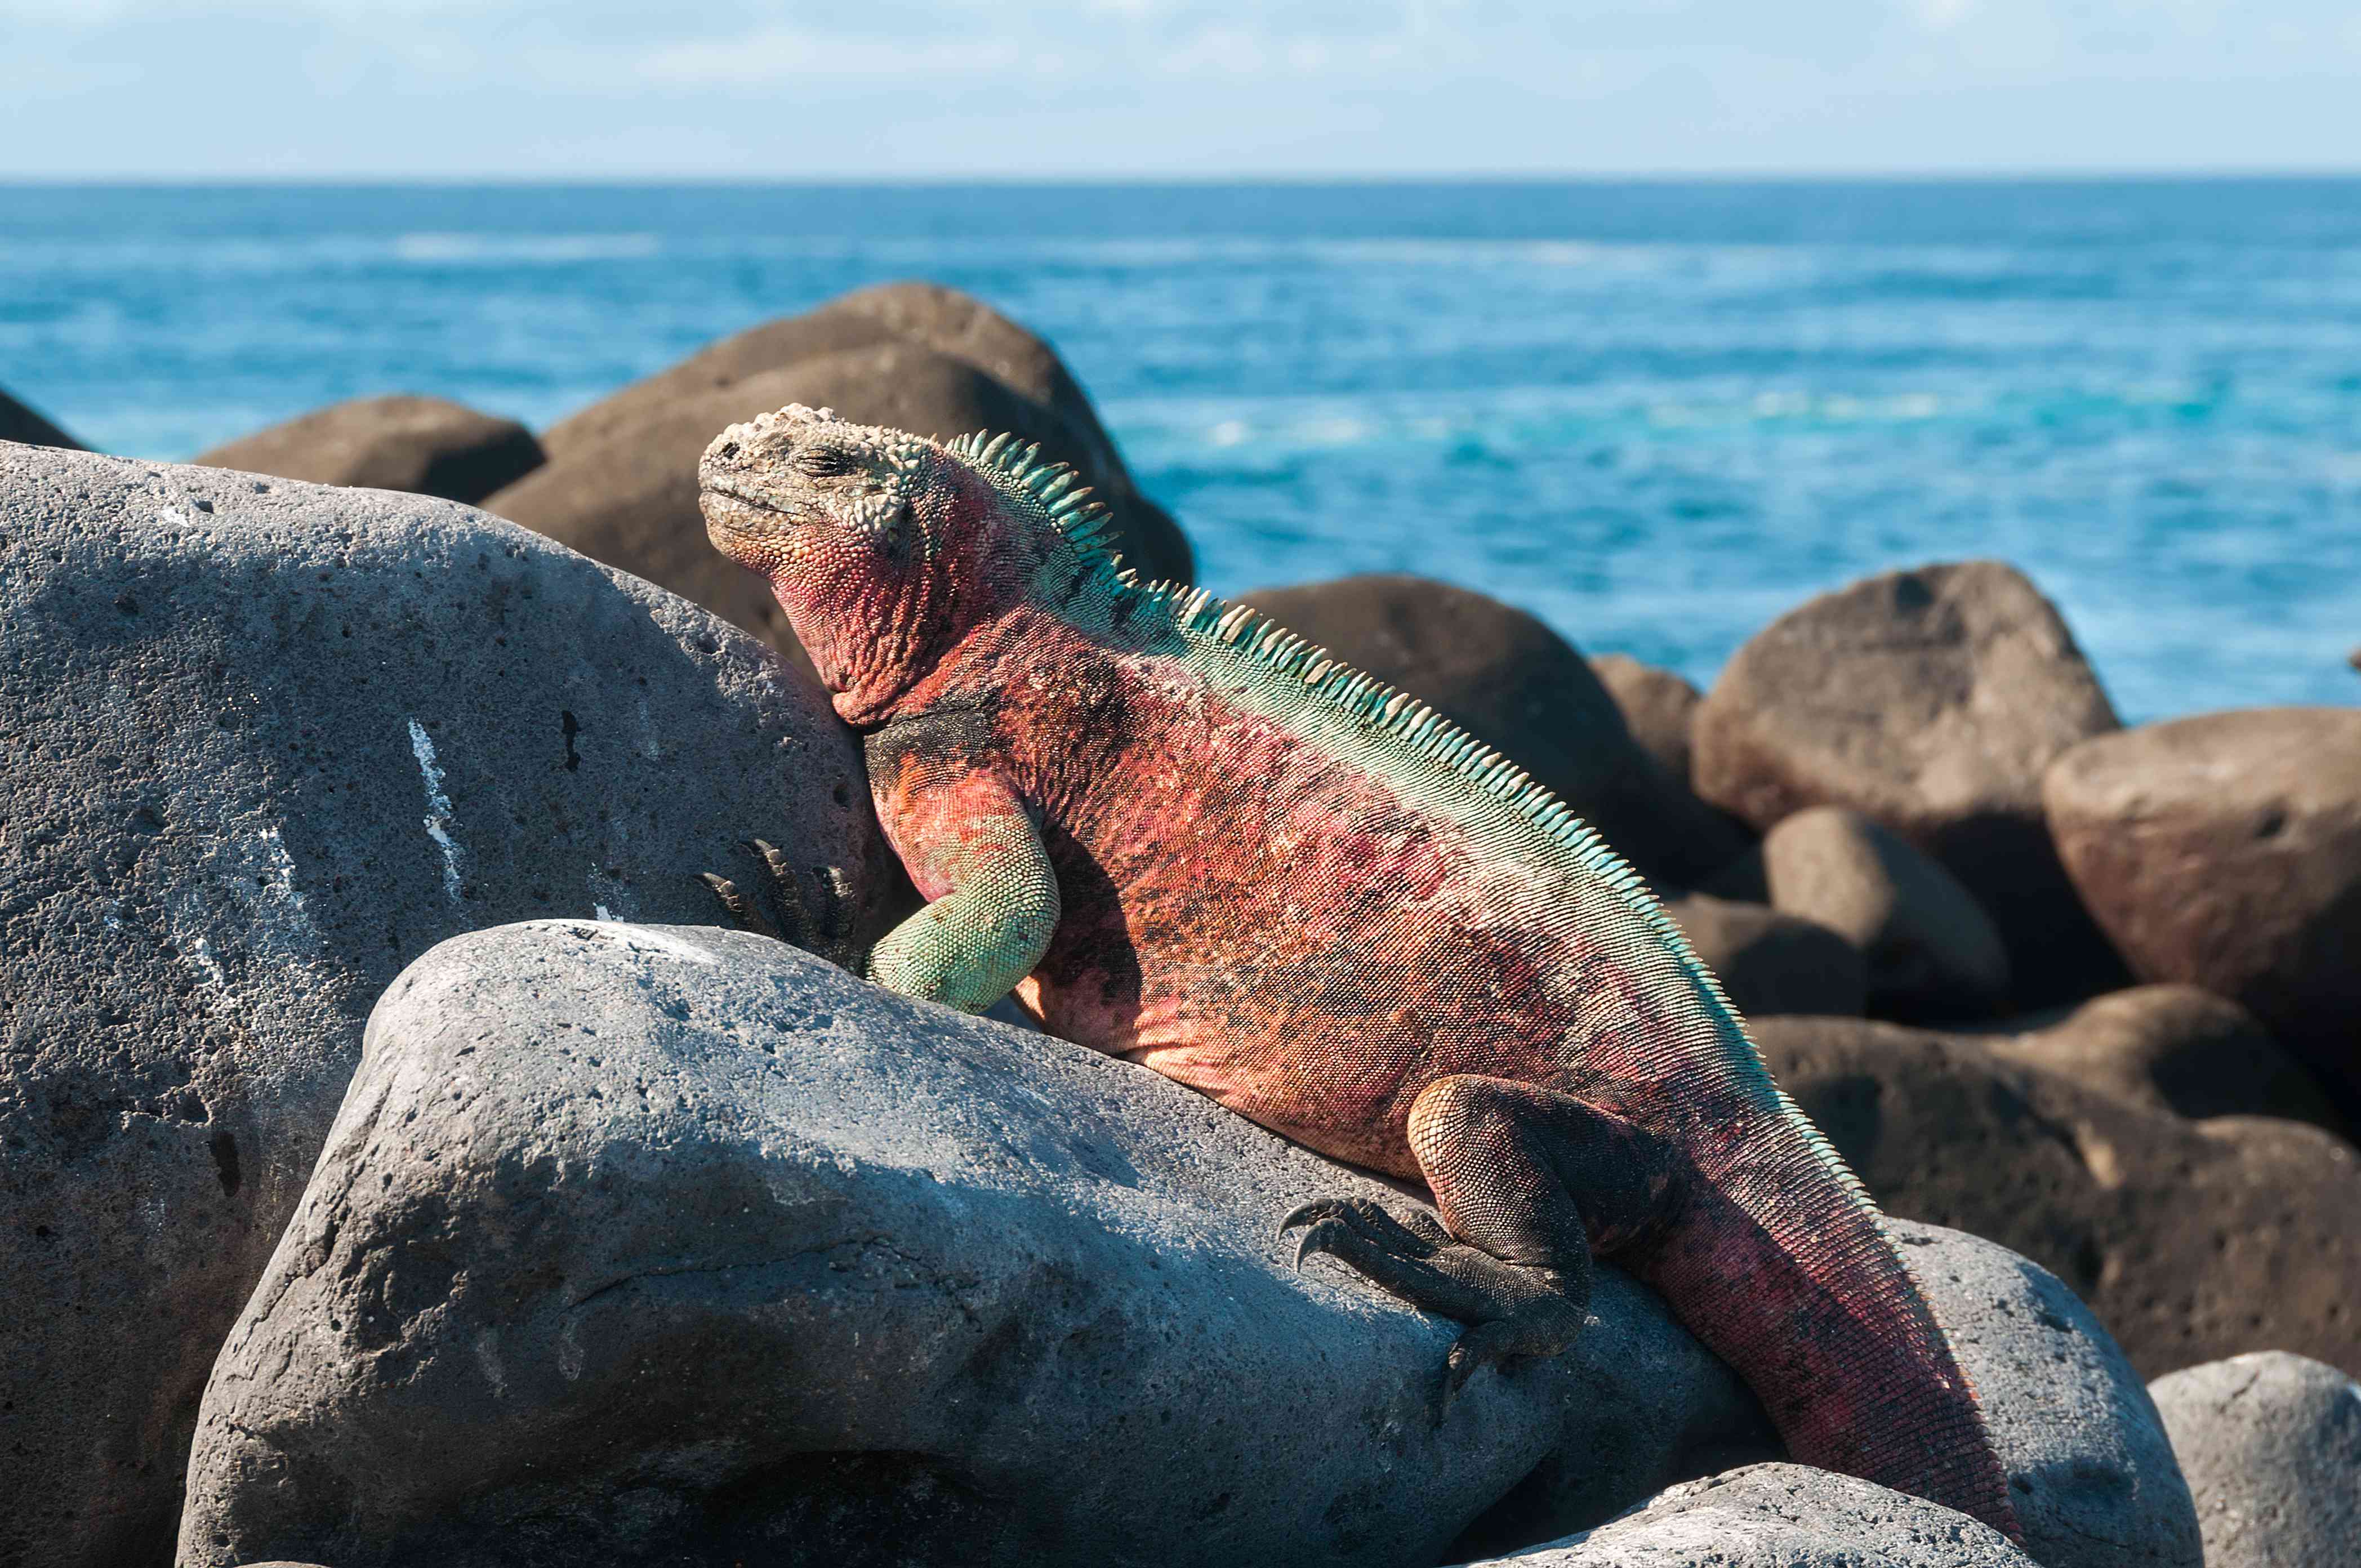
(1090, 567)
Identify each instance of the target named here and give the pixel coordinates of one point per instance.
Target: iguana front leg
(971, 846)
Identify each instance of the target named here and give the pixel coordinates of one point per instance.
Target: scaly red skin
(1311, 941)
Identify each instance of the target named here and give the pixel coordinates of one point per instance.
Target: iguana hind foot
(1527, 1179)
(1512, 1310)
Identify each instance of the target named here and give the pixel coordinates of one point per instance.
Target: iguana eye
(825, 462)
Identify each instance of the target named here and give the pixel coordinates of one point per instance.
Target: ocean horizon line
(1407, 179)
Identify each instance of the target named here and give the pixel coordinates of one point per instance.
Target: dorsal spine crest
(1049, 490)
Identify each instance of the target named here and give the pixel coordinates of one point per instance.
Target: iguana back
(1189, 838)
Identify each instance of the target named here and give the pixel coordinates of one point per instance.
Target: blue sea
(1655, 413)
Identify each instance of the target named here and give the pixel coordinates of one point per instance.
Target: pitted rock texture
(2172, 1047)
(1930, 701)
(1773, 962)
(266, 742)
(1931, 950)
(2190, 1240)
(2225, 851)
(2092, 1477)
(649, 1244)
(2089, 1470)
(2271, 1445)
(1778, 1515)
(431, 446)
(621, 484)
(1508, 679)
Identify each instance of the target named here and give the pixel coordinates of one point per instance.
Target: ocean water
(1655, 415)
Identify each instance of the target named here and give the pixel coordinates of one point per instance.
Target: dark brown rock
(1931, 949)
(621, 481)
(1656, 705)
(429, 446)
(2190, 1240)
(20, 424)
(947, 322)
(1505, 677)
(1931, 701)
(1773, 962)
(2225, 850)
(2173, 1048)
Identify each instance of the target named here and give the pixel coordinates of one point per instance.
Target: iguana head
(884, 548)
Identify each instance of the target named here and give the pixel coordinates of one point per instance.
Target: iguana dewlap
(1200, 844)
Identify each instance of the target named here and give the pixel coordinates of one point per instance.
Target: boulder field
(619, 1237)
(1930, 701)
(667, 1244)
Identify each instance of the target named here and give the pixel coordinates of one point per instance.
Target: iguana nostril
(729, 449)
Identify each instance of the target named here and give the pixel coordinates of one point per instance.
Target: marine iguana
(1190, 839)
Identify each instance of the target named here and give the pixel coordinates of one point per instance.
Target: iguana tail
(1785, 1269)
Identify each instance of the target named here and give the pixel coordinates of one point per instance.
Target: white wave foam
(495, 249)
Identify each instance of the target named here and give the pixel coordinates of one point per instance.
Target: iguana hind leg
(1525, 1177)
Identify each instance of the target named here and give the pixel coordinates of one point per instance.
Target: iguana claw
(828, 935)
(742, 908)
(1512, 1309)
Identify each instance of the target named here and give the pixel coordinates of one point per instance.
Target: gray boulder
(2271, 1444)
(1930, 701)
(431, 446)
(1778, 1515)
(2089, 1470)
(649, 1244)
(266, 742)
(641, 1244)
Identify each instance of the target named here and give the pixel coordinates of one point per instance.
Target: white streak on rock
(569, 1350)
(201, 953)
(487, 1357)
(650, 746)
(174, 516)
(275, 846)
(611, 894)
(438, 807)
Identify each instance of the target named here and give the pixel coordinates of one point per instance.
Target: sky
(869, 88)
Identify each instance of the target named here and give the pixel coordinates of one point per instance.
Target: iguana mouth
(716, 488)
